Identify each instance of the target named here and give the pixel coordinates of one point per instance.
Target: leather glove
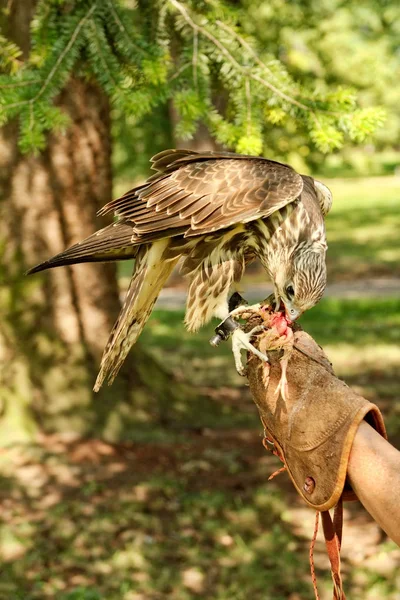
(313, 430)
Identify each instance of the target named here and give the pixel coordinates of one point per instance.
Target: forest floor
(183, 509)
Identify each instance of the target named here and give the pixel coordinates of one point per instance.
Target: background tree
(54, 328)
(86, 58)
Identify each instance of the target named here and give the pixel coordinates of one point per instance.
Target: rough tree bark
(54, 327)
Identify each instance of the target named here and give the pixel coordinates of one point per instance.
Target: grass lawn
(192, 515)
(363, 228)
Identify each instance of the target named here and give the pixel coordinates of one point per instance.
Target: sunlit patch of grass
(360, 322)
(363, 226)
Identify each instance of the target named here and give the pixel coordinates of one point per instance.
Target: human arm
(374, 474)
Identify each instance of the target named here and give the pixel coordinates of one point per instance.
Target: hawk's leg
(283, 388)
(241, 341)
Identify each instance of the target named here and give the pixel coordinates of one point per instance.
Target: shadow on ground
(93, 521)
(89, 520)
(191, 515)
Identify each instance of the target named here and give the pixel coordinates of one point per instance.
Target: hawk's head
(301, 280)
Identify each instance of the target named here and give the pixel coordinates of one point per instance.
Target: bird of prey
(216, 212)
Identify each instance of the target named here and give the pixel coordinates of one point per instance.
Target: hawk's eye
(290, 292)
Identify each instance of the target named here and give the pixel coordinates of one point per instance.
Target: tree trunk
(54, 326)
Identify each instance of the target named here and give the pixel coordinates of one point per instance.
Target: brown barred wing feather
(111, 243)
(149, 276)
(202, 193)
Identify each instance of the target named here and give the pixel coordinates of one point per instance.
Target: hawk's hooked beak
(291, 313)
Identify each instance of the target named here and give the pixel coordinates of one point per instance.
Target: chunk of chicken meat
(277, 334)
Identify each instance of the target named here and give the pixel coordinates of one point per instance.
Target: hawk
(216, 212)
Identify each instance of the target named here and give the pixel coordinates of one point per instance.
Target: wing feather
(203, 192)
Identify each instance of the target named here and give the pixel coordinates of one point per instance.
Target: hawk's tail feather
(150, 274)
(113, 242)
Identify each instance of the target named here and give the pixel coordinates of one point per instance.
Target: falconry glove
(312, 432)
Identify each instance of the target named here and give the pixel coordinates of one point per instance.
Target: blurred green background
(158, 488)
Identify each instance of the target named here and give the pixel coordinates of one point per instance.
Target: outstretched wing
(197, 193)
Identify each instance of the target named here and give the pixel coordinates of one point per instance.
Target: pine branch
(123, 29)
(248, 97)
(19, 84)
(195, 58)
(66, 50)
(258, 61)
(245, 71)
(134, 67)
(106, 71)
(60, 59)
(181, 69)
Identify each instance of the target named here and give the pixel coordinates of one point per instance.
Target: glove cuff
(320, 475)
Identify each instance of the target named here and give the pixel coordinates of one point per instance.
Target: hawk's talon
(283, 387)
(241, 341)
(246, 312)
(235, 301)
(240, 310)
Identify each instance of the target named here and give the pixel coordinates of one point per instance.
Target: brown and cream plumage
(217, 212)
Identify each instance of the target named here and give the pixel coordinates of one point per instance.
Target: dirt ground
(88, 520)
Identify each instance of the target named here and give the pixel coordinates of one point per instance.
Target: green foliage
(192, 53)
(82, 593)
(327, 137)
(347, 52)
(363, 123)
(9, 55)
